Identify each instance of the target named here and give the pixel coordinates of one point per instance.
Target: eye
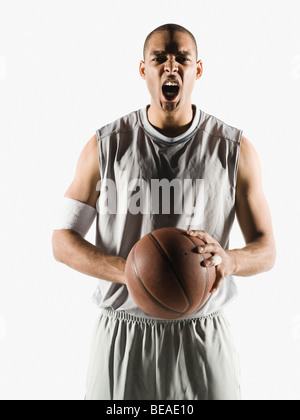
(159, 59)
(182, 59)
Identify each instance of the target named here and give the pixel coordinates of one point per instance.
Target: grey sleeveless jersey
(149, 181)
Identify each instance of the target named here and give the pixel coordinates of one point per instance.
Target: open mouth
(170, 90)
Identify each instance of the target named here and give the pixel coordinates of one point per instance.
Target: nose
(171, 65)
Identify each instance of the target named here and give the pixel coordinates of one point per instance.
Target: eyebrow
(182, 53)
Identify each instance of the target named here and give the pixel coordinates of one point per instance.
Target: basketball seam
(146, 290)
(206, 270)
(206, 276)
(164, 253)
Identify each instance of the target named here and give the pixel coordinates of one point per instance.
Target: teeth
(171, 84)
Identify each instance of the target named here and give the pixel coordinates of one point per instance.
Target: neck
(171, 124)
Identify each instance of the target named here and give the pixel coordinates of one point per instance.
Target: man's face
(171, 69)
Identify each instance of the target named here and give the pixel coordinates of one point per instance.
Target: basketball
(165, 275)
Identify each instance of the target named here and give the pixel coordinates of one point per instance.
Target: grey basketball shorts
(148, 359)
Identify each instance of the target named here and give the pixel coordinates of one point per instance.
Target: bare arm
(254, 218)
(68, 246)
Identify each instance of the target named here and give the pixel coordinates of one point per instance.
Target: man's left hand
(220, 258)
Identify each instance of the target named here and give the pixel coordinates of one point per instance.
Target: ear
(199, 70)
(142, 69)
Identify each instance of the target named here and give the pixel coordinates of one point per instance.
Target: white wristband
(75, 215)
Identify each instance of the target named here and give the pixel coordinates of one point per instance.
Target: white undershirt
(160, 137)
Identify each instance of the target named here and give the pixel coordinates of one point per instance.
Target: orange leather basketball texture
(165, 276)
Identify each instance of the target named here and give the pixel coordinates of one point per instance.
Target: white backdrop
(67, 67)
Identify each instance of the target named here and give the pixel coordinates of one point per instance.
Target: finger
(208, 248)
(216, 285)
(210, 262)
(213, 261)
(201, 234)
(217, 259)
(196, 232)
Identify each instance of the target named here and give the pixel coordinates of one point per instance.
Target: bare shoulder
(84, 185)
(248, 153)
(88, 162)
(89, 154)
(252, 209)
(249, 169)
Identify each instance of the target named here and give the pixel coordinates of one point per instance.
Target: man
(134, 356)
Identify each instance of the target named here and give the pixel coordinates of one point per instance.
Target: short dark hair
(170, 27)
